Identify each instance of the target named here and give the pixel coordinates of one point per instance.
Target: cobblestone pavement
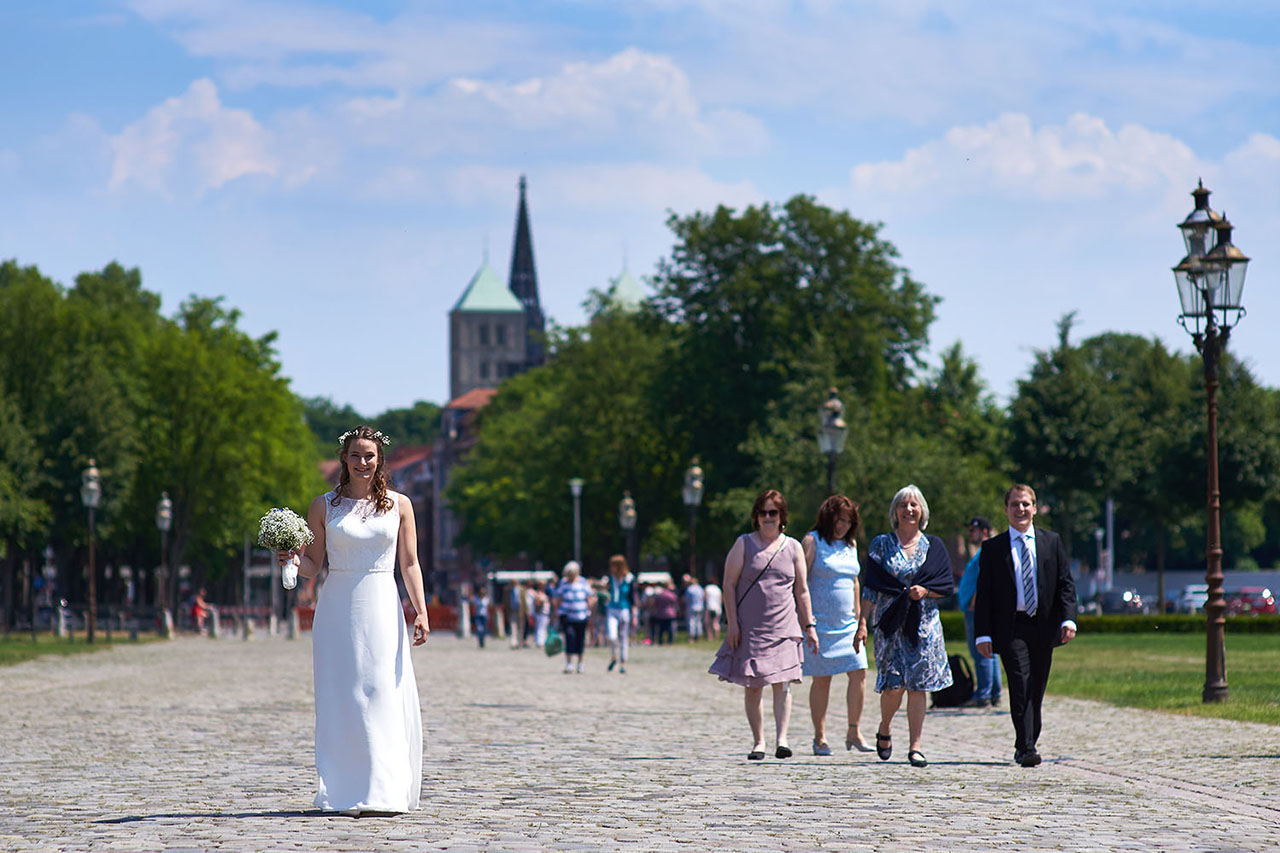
(206, 744)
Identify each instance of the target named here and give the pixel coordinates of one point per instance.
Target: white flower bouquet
(285, 530)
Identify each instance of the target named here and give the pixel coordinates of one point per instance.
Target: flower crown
(377, 436)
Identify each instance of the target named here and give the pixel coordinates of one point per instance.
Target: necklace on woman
(908, 547)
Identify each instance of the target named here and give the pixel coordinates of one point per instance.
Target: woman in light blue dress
(831, 553)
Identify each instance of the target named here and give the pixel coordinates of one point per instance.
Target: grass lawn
(16, 648)
(1166, 672)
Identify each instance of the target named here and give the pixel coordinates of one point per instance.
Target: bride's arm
(311, 558)
(411, 571)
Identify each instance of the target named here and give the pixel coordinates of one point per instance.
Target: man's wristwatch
(811, 625)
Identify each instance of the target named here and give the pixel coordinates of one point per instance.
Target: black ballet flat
(782, 752)
(755, 755)
(916, 757)
(884, 746)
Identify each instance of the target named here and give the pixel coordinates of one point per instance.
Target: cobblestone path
(206, 744)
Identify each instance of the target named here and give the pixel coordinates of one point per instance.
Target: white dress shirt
(1029, 542)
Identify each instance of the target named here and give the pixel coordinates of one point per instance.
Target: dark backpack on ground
(961, 689)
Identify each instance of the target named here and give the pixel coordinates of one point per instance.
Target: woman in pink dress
(767, 608)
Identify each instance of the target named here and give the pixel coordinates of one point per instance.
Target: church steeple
(524, 282)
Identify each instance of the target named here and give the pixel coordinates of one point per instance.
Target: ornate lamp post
(1210, 285)
(90, 495)
(627, 521)
(691, 493)
(164, 521)
(575, 489)
(832, 432)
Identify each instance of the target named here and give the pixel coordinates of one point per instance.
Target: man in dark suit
(1025, 605)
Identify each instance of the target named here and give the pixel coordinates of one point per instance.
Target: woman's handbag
(554, 644)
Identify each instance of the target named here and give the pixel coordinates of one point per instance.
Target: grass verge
(17, 648)
(1165, 672)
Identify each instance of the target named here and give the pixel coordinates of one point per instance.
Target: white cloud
(192, 143)
(1080, 159)
(632, 92)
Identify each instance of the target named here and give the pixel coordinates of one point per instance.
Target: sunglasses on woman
(769, 513)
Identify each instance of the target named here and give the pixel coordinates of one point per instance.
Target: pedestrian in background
(573, 604)
(515, 613)
(480, 615)
(695, 600)
(666, 608)
(986, 670)
(907, 572)
(620, 610)
(768, 616)
(831, 555)
(541, 613)
(714, 602)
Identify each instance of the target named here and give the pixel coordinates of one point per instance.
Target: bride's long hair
(378, 487)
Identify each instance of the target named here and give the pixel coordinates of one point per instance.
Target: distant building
(497, 330)
(625, 292)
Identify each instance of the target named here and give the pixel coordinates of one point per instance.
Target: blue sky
(339, 168)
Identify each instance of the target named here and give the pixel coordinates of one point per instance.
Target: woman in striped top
(573, 602)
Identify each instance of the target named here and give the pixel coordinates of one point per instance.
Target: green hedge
(1175, 623)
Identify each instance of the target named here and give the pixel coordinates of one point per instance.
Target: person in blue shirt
(986, 671)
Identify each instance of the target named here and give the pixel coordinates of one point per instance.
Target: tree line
(756, 313)
(187, 405)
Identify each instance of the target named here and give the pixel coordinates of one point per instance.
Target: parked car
(1192, 599)
(1120, 601)
(1249, 601)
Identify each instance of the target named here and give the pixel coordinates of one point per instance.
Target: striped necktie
(1028, 577)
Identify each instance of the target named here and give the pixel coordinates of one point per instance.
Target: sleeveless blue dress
(831, 589)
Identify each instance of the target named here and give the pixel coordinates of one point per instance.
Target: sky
(338, 171)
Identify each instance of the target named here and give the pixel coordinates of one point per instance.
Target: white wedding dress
(368, 722)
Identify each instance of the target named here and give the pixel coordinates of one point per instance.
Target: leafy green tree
(746, 295)
(417, 424)
(327, 420)
(225, 436)
(592, 412)
(944, 435)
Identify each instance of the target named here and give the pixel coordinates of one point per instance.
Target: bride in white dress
(368, 722)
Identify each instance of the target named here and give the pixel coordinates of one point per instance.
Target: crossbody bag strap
(743, 597)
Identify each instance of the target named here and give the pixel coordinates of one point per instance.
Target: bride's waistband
(334, 571)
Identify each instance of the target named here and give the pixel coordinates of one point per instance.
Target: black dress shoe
(975, 703)
(884, 746)
(1030, 758)
(782, 752)
(755, 755)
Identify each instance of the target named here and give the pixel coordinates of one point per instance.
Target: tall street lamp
(832, 432)
(164, 521)
(691, 493)
(1210, 285)
(90, 495)
(575, 489)
(627, 521)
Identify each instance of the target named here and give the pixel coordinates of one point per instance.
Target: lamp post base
(1215, 692)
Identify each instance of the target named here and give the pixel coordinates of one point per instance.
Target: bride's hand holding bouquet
(286, 533)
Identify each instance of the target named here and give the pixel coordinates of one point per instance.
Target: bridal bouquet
(285, 530)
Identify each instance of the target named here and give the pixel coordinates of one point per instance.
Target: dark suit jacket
(995, 602)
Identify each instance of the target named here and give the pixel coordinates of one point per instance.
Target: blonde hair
(572, 569)
(909, 491)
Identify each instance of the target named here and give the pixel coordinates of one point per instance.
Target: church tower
(487, 335)
(524, 284)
